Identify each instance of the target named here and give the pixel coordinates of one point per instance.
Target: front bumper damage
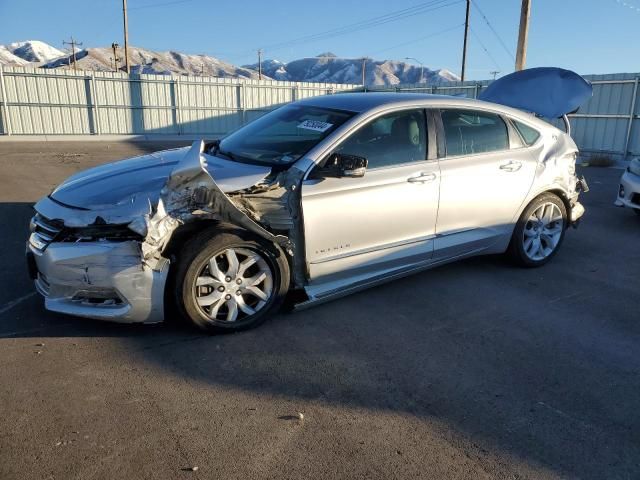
(101, 280)
(124, 281)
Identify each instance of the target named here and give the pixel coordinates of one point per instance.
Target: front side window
(468, 132)
(389, 140)
(282, 136)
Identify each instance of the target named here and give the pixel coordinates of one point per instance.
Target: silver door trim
(386, 246)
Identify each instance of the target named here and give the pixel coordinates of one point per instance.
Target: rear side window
(528, 134)
(469, 131)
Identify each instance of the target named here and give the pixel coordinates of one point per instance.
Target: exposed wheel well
(555, 191)
(562, 195)
(182, 235)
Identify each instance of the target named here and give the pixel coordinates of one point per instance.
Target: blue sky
(588, 36)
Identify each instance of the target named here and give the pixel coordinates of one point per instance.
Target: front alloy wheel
(234, 283)
(227, 281)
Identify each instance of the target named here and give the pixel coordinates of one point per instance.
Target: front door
(359, 227)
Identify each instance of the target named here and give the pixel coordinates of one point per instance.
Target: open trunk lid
(549, 92)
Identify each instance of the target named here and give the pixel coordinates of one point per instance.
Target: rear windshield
(283, 136)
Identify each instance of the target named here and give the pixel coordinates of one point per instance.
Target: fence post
(176, 105)
(241, 102)
(94, 102)
(6, 125)
(631, 117)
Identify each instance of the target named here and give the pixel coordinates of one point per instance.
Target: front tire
(227, 282)
(539, 231)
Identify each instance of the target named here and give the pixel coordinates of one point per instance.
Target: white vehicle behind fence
(629, 190)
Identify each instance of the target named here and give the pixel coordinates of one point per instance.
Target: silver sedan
(315, 200)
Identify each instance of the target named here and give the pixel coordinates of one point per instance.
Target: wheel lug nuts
(221, 288)
(239, 281)
(228, 279)
(227, 297)
(238, 292)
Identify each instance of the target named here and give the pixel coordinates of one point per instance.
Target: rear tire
(539, 231)
(227, 282)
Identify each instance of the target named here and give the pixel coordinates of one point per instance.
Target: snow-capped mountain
(149, 61)
(326, 67)
(8, 58)
(34, 51)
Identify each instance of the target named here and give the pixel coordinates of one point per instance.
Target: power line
(504, 45)
(165, 4)
(369, 23)
(484, 48)
(435, 34)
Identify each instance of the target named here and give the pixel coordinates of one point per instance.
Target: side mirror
(341, 165)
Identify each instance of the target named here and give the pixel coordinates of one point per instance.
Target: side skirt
(325, 293)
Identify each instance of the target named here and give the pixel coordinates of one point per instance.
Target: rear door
(484, 181)
(384, 220)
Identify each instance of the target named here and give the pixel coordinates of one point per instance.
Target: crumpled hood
(135, 183)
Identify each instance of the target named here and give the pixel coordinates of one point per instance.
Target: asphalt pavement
(474, 370)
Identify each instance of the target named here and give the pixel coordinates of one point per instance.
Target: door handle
(511, 166)
(422, 178)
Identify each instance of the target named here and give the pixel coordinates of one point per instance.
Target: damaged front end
(112, 266)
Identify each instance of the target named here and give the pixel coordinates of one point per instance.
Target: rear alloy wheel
(539, 231)
(225, 282)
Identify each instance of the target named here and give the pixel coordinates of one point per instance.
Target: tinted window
(392, 139)
(283, 135)
(528, 134)
(469, 131)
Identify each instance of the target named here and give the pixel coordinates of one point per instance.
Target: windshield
(283, 136)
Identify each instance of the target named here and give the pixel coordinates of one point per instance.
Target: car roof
(361, 101)
(367, 101)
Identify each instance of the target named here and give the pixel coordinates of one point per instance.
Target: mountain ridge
(326, 67)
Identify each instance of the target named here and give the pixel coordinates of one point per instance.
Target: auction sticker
(315, 125)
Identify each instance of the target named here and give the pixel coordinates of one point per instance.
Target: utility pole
(521, 53)
(259, 64)
(116, 59)
(126, 36)
(364, 71)
(466, 34)
(73, 44)
(494, 73)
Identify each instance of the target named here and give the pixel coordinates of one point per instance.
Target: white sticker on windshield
(315, 125)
